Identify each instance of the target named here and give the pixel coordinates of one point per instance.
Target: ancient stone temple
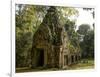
(50, 44)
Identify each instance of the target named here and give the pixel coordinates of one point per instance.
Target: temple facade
(50, 44)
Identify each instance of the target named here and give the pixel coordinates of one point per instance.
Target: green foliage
(66, 12)
(28, 19)
(71, 48)
(83, 29)
(69, 25)
(73, 44)
(73, 35)
(87, 42)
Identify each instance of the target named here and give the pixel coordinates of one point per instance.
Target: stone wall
(51, 41)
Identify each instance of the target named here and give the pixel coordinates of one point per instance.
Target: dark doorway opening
(76, 58)
(40, 59)
(72, 59)
(65, 60)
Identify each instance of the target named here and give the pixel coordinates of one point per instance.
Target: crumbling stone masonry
(49, 47)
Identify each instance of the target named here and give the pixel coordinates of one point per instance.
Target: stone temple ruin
(49, 47)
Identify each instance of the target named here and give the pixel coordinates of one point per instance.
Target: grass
(83, 64)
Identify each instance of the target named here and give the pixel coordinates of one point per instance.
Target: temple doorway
(40, 57)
